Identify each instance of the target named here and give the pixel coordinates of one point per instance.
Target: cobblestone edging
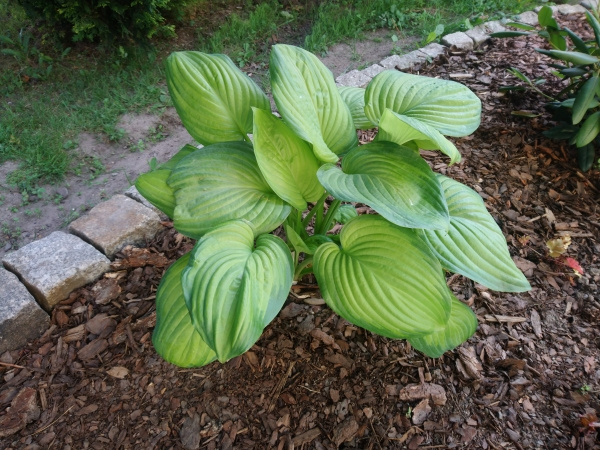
(41, 274)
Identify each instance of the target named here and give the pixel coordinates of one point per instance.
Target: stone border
(46, 271)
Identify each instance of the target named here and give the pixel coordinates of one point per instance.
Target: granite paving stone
(354, 78)
(478, 34)
(459, 40)
(373, 70)
(55, 266)
(21, 318)
(115, 223)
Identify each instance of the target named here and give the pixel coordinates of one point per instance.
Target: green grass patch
(342, 20)
(48, 95)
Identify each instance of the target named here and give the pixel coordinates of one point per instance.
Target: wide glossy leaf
(585, 98)
(589, 130)
(174, 337)
(474, 246)
(354, 97)
(595, 26)
(222, 182)
(286, 161)
(234, 288)
(545, 18)
(447, 106)
(309, 102)
(401, 129)
(213, 98)
(153, 185)
(577, 58)
(586, 156)
(393, 180)
(579, 43)
(460, 327)
(383, 278)
(509, 34)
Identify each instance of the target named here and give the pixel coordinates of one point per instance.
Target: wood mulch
(528, 379)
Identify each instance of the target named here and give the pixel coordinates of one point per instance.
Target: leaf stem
(314, 210)
(302, 266)
(328, 220)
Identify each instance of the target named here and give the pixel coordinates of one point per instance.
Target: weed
(37, 212)
(157, 133)
(139, 146)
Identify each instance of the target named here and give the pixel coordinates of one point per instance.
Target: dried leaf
(435, 392)
(119, 372)
(421, 412)
(557, 247)
(573, 264)
(536, 323)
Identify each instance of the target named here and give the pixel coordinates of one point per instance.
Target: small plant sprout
(383, 272)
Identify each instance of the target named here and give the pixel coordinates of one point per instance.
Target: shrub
(104, 20)
(577, 107)
(383, 272)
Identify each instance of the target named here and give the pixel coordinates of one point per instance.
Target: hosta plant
(260, 172)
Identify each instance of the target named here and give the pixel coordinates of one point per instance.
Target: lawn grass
(49, 95)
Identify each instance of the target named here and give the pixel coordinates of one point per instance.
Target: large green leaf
(474, 246)
(460, 327)
(309, 102)
(233, 288)
(383, 278)
(585, 98)
(213, 98)
(401, 129)
(222, 182)
(153, 185)
(286, 161)
(174, 337)
(393, 180)
(589, 130)
(577, 58)
(354, 97)
(447, 106)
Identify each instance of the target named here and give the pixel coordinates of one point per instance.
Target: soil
(528, 379)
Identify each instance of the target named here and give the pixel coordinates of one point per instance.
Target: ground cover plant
(576, 107)
(382, 272)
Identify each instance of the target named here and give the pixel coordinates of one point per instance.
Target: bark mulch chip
(528, 379)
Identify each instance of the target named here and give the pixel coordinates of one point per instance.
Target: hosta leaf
(402, 129)
(460, 327)
(233, 288)
(153, 185)
(309, 102)
(393, 180)
(222, 182)
(345, 213)
(383, 278)
(447, 106)
(174, 337)
(212, 96)
(286, 161)
(474, 246)
(354, 97)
